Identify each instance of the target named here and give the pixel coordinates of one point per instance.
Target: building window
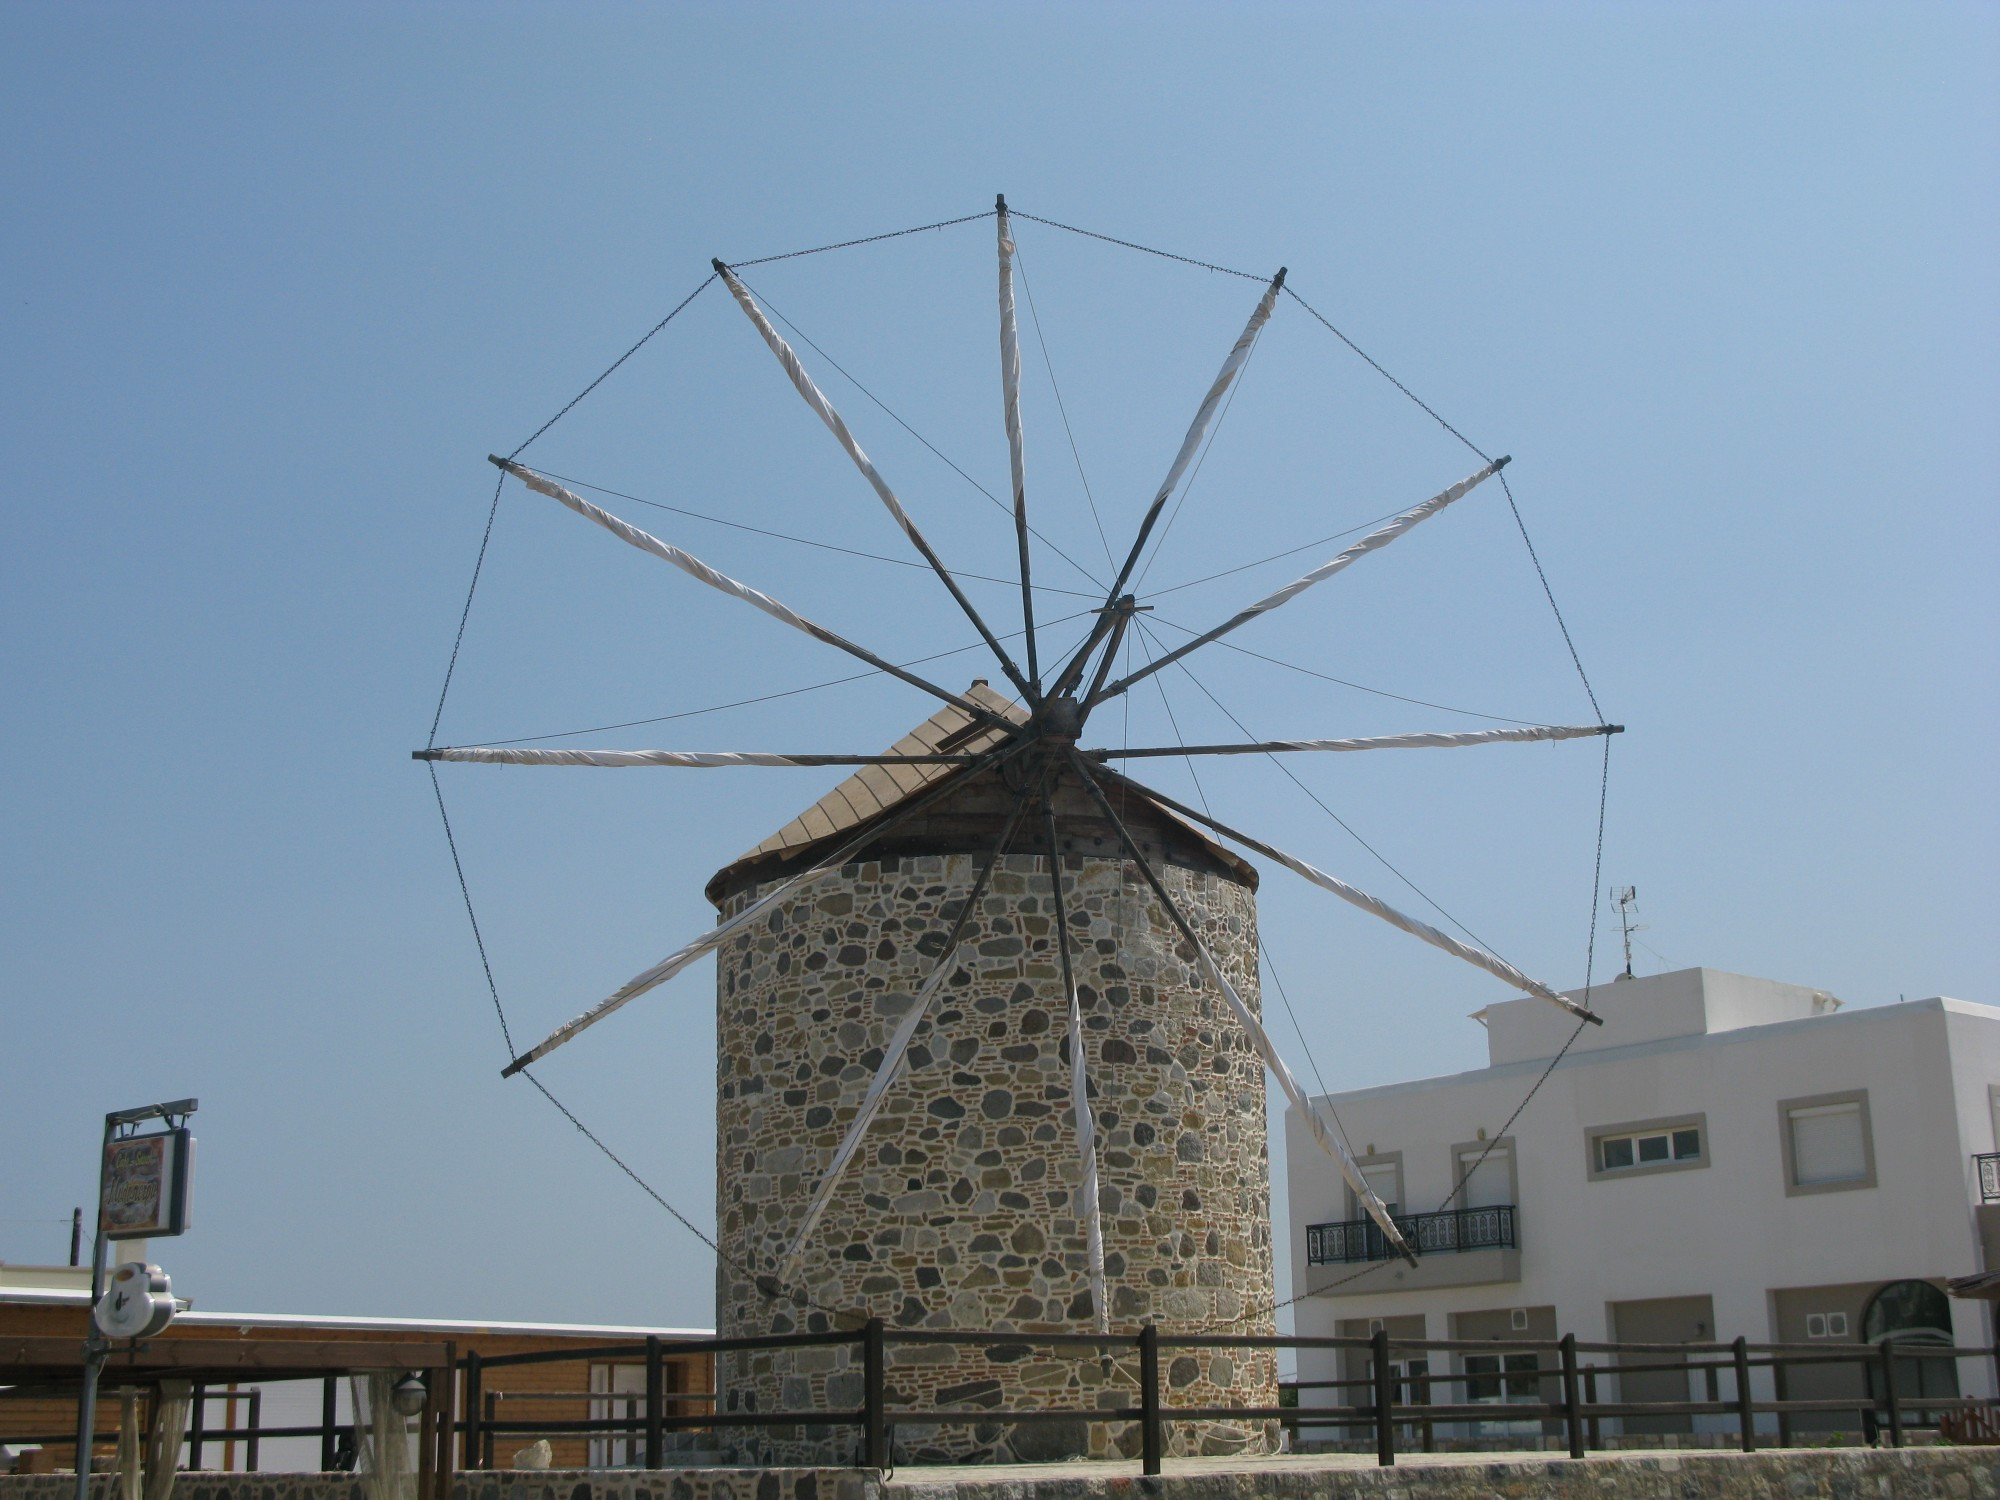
(1502, 1377)
(1648, 1146)
(1482, 1174)
(1828, 1145)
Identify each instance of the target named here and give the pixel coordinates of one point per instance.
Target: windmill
(1046, 792)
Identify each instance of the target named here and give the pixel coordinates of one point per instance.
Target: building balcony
(1989, 1176)
(1461, 1247)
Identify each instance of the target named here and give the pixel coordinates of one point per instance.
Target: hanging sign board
(145, 1185)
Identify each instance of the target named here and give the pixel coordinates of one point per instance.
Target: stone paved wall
(1795, 1474)
(497, 1484)
(959, 1212)
(1877, 1474)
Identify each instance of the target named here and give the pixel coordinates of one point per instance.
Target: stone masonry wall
(958, 1212)
(1793, 1474)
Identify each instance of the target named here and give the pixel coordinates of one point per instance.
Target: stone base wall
(959, 1211)
(1794, 1474)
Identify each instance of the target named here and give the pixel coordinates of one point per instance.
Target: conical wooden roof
(873, 792)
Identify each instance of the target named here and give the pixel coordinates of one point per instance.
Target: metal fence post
(1152, 1445)
(1889, 1393)
(874, 1383)
(256, 1421)
(197, 1416)
(1385, 1401)
(475, 1403)
(1746, 1417)
(1782, 1388)
(656, 1389)
(1572, 1415)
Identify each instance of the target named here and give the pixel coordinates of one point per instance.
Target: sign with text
(145, 1185)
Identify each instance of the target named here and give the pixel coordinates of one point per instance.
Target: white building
(1725, 1156)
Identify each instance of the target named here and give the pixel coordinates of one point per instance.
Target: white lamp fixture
(409, 1394)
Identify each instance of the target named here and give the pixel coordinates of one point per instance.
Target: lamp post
(132, 1202)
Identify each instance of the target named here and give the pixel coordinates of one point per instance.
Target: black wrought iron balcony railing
(1989, 1176)
(1429, 1234)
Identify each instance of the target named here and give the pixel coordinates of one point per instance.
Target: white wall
(1727, 1230)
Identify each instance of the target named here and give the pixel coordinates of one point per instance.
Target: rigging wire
(507, 1037)
(1274, 557)
(871, 239)
(458, 640)
(1561, 624)
(803, 541)
(1377, 368)
(1348, 828)
(643, 341)
(1092, 234)
(812, 687)
(1343, 682)
(1506, 488)
(1021, 265)
(805, 339)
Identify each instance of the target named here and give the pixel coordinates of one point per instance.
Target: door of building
(1662, 1320)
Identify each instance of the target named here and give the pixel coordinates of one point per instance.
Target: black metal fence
(1517, 1381)
(1392, 1408)
(1431, 1234)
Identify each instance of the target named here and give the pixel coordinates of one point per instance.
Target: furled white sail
(1375, 906)
(1086, 1155)
(823, 409)
(1010, 407)
(1419, 741)
(510, 755)
(695, 568)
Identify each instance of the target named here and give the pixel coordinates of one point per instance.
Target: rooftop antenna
(1625, 898)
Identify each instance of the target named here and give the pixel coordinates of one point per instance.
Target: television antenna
(1626, 899)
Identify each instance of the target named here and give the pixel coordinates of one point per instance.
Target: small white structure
(1725, 1156)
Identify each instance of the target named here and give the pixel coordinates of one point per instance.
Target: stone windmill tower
(991, 1055)
(961, 1209)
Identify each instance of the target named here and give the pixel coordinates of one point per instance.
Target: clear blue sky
(279, 278)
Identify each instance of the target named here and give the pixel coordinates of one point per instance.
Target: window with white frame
(1649, 1146)
(1827, 1143)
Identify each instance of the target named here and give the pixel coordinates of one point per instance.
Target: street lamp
(409, 1395)
(142, 1190)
